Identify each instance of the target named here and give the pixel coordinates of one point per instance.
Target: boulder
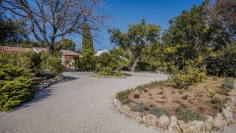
(163, 122)
(173, 126)
(228, 115)
(192, 126)
(150, 120)
(219, 121)
(124, 110)
(209, 122)
(117, 104)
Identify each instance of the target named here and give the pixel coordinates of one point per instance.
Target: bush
(188, 115)
(123, 94)
(159, 112)
(218, 104)
(16, 86)
(139, 107)
(85, 64)
(53, 64)
(106, 71)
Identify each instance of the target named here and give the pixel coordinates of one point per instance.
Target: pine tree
(87, 42)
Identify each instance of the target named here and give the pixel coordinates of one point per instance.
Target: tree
(12, 32)
(67, 45)
(87, 62)
(49, 19)
(87, 42)
(29, 44)
(136, 39)
(221, 19)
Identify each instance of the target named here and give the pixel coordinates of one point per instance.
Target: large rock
(228, 115)
(192, 126)
(136, 116)
(219, 121)
(117, 104)
(124, 110)
(150, 120)
(173, 126)
(209, 122)
(163, 122)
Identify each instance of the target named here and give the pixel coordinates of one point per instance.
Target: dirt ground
(170, 97)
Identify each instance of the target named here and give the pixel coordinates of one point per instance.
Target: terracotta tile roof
(14, 49)
(68, 52)
(41, 49)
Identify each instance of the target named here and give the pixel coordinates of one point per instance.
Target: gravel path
(83, 104)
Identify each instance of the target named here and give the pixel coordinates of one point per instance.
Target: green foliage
(12, 31)
(16, 86)
(212, 94)
(139, 107)
(85, 63)
(30, 44)
(106, 71)
(87, 42)
(119, 74)
(21, 59)
(188, 75)
(52, 63)
(65, 44)
(136, 39)
(123, 94)
(159, 111)
(218, 104)
(189, 115)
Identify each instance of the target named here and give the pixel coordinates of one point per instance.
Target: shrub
(159, 111)
(139, 107)
(119, 74)
(53, 64)
(16, 86)
(123, 94)
(218, 104)
(85, 64)
(188, 115)
(106, 71)
(228, 85)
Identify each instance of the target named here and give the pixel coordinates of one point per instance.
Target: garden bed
(207, 103)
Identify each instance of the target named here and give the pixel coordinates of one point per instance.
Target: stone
(138, 119)
(173, 126)
(219, 121)
(150, 120)
(192, 126)
(196, 126)
(209, 122)
(228, 115)
(117, 104)
(163, 122)
(124, 110)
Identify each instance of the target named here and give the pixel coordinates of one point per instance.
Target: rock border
(221, 120)
(48, 82)
(100, 76)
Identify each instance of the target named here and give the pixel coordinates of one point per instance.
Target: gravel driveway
(83, 104)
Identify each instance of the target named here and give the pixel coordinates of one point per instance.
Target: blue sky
(157, 12)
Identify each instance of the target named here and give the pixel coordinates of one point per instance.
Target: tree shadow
(127, 74)
(69, 78)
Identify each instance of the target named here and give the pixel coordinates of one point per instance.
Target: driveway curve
(82, 104)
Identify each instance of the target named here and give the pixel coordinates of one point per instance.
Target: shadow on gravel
(39, 95)
(128, 74)
(69, 78)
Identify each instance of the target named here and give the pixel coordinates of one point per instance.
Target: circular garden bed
(207, 106)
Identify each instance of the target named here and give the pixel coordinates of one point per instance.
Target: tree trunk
(50, 50)
(135, 63)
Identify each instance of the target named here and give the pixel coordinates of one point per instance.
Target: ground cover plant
(191, 103)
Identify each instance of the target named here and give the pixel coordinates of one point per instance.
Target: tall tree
(87, 42)
(136, 39)
(12, 32)
(30, 44)
(67, 45)
(49, 19)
